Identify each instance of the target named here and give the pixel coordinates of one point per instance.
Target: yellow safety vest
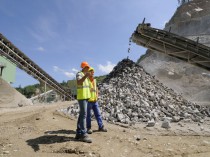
(83, 91)
(93, 86)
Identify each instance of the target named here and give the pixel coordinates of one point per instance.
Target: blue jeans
(81, 123)
(95, 107)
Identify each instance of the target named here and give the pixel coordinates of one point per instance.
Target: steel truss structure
(172, 44)
(12, 53)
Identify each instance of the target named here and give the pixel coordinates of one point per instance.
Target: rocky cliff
(190, 20)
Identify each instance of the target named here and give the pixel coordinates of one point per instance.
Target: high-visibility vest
(83, 91)
(93, 91)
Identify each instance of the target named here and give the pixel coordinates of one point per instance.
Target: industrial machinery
(172, 44)
(12, 53)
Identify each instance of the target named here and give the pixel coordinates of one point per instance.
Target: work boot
(85, 138)
(89, 131)
(77, 137)
(102, 129)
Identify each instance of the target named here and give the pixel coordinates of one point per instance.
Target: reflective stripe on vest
(83, 91)
(93, 88)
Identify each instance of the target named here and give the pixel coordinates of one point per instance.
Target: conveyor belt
(12, 53)
(172, 44)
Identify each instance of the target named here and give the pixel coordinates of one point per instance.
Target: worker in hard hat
(93, 105)
(83, 94)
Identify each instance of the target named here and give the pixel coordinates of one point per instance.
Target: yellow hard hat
(91, 69)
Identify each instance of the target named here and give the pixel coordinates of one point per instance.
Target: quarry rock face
(191, 20)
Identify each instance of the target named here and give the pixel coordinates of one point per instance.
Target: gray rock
(151, 123)
(166, 124)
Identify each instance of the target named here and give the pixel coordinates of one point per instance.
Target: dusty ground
(40, 130)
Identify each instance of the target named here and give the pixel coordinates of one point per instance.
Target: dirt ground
(40, 130)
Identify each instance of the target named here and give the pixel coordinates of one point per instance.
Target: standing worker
(83, 94)
(93, 104)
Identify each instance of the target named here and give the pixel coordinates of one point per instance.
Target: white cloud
(64, 72)
(75, 70)
(55, 68)
(40, 49)
(69, 74)
(106, 68)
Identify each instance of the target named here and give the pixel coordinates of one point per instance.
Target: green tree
(19, 89)
(29, 91)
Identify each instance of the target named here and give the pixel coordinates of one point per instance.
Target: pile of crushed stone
(131, 95)
(10, 97)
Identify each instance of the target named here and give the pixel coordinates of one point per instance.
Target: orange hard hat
(84, 64)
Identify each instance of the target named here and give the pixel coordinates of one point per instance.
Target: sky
(60, 34)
